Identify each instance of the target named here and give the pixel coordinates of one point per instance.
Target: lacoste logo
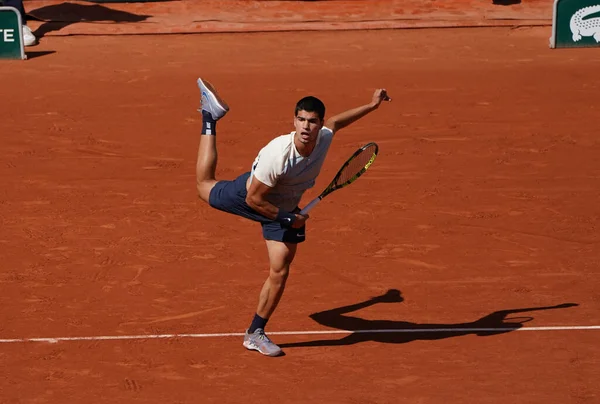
(581, 26)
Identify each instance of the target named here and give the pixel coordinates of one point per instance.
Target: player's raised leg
(213, 108)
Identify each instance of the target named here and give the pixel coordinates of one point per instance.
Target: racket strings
(357, 165)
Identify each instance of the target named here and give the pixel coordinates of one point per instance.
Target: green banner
(576, 23)
(11, 45)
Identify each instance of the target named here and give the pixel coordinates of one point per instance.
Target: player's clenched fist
(379, 96)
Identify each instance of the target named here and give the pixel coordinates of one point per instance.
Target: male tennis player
(270, 192)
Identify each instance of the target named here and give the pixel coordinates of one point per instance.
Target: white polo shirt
(279, 165)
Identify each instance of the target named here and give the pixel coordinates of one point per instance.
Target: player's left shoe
(258, 341)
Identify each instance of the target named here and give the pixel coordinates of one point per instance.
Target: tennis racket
(353, 168)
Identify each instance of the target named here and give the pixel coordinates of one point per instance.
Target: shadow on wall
(398, 332)
(58, 16)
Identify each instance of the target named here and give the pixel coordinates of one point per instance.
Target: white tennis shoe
(258, 341)
(210, 100)
(28, 38)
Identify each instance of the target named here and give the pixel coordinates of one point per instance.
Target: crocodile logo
(581, 27)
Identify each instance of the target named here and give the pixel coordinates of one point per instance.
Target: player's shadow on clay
(58, 16)
(397, 332)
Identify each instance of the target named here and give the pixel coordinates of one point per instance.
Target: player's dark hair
(311, 104)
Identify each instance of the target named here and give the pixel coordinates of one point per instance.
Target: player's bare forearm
(271, 211)
(257, 200)
(262, 206)
(346, 118)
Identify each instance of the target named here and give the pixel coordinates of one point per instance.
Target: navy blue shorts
(230, 196)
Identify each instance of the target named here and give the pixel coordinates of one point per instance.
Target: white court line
(238, 334)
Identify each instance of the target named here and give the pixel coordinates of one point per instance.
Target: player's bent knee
(203, 188)
(203, 195)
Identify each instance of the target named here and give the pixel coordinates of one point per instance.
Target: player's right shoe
(28, 38)
(210, 100)
(258, 341)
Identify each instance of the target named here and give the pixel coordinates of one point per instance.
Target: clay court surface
(484, 198)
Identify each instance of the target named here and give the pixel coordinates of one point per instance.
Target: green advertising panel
(11, 44)
(576, 23)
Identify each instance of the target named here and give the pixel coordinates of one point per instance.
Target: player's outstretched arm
(344, 119)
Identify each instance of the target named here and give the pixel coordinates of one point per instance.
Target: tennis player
(269, 193)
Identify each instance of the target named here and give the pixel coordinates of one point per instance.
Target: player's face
(308, 125)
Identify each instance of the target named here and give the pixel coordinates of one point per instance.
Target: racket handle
(311, 205)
